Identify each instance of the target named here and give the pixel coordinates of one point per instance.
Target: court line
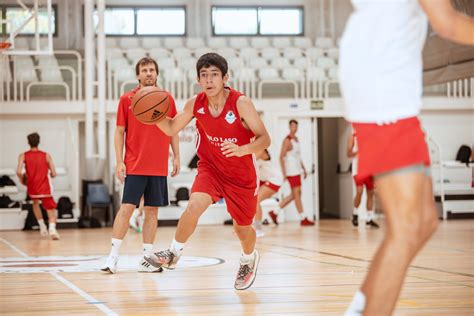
(89, 298)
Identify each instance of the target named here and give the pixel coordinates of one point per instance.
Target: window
(117, 21)
(143, 21)
(17, 16)
(161, 22)
(257, 20)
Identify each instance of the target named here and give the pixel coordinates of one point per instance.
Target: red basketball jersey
(37, 173)
(213, 131)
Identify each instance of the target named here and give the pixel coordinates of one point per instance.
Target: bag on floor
(464, 154)
(65, 207)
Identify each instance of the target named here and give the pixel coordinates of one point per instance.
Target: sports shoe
(166, 259)
(247, 273)
(306, 222)
(273, 216)
(145, 266)
(372, 224)
(136, 222)
(355, 220)
(43, 231)
(110, 265)
(54, 234)
(259, 233)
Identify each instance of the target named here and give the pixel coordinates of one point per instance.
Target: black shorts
(154, 189)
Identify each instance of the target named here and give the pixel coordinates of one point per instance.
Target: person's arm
(171, 126)
(350, 147)
(305, 173)
(251, 118)
(448, 22)
(120, 169)
(285, 147)
(52, 168)
(19, 168)
(176, 159)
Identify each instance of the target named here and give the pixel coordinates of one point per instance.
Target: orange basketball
(150, 105)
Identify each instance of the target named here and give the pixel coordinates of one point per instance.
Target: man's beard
(148, 83)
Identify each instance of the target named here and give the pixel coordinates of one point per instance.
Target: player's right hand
(120, 171)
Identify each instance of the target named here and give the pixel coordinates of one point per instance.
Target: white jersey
(380, 63)
(268, 172)
(293, 159)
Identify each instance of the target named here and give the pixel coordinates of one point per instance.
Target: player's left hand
(176, 167)
(233, 150)
(305, 174)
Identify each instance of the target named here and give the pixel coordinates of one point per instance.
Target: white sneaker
(54, 234)
(146, 266)
(43, 231)
(110, 265)
(259, 233)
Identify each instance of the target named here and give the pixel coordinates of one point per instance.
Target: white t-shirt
(268, 172)
(293, 159)
(380, 64)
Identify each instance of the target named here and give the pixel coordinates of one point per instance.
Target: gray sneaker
(166, 259)
(247, 273)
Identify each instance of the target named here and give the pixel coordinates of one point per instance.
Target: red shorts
(295, 181)
(383, 148)
(367, 181)
(47, 202)
(241, 201)
(270, 185)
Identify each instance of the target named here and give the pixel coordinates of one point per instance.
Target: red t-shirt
(37, 174)
(213, 131)
(146, 146)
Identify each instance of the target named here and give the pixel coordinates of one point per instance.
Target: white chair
(238, 42)
(333, 53)
(314, 82)
(259, 42)
(195, 42)
(325, 62)
(271, 76)
(117, 63)
(248, 53)
(134, 54)
(258, 62)
(333, 74)
(324, 42)
(175, 82)
(158, 53)
(125, 73)
(270, 53)
(181, 52)
(314, 53)
(235, 63)
(113, 52)
(216, 42)
(166, 63)
(292, 53)
(198, 52)
(280, 63)
(187, 63)
(110, 42)
(51, 74)
(281, 42)
(302, 42)
(129, 42)
(302, 63)
(173, 42)
(294, 75)
(47, 61)
(246, 81)
(150, 43)
(227, 52)
(268, 73)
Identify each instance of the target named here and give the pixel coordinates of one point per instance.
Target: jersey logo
(230, 117)
(200, 111)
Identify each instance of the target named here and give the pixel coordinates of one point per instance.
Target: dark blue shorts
(154, 189)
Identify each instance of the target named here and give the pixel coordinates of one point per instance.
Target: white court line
(90, 299)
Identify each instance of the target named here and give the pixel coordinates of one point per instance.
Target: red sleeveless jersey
(37, 173)
(213, 131)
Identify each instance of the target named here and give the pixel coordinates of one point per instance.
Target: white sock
(355, 211)
(370, 216)
(177, 247)
(41, 223)
(52, 226)
(302, 216)
(356, 308)
(116, 243)
(247, 258)
(147, 249)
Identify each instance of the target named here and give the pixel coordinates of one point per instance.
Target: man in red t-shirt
(39, 166)
(230, 132)
(144, 169)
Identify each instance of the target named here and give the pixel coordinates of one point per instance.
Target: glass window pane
(229, 21)
(161, 21)
(117, 21)
(281, 21)
(17, 16)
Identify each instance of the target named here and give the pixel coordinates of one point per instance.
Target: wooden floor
(304, 271)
